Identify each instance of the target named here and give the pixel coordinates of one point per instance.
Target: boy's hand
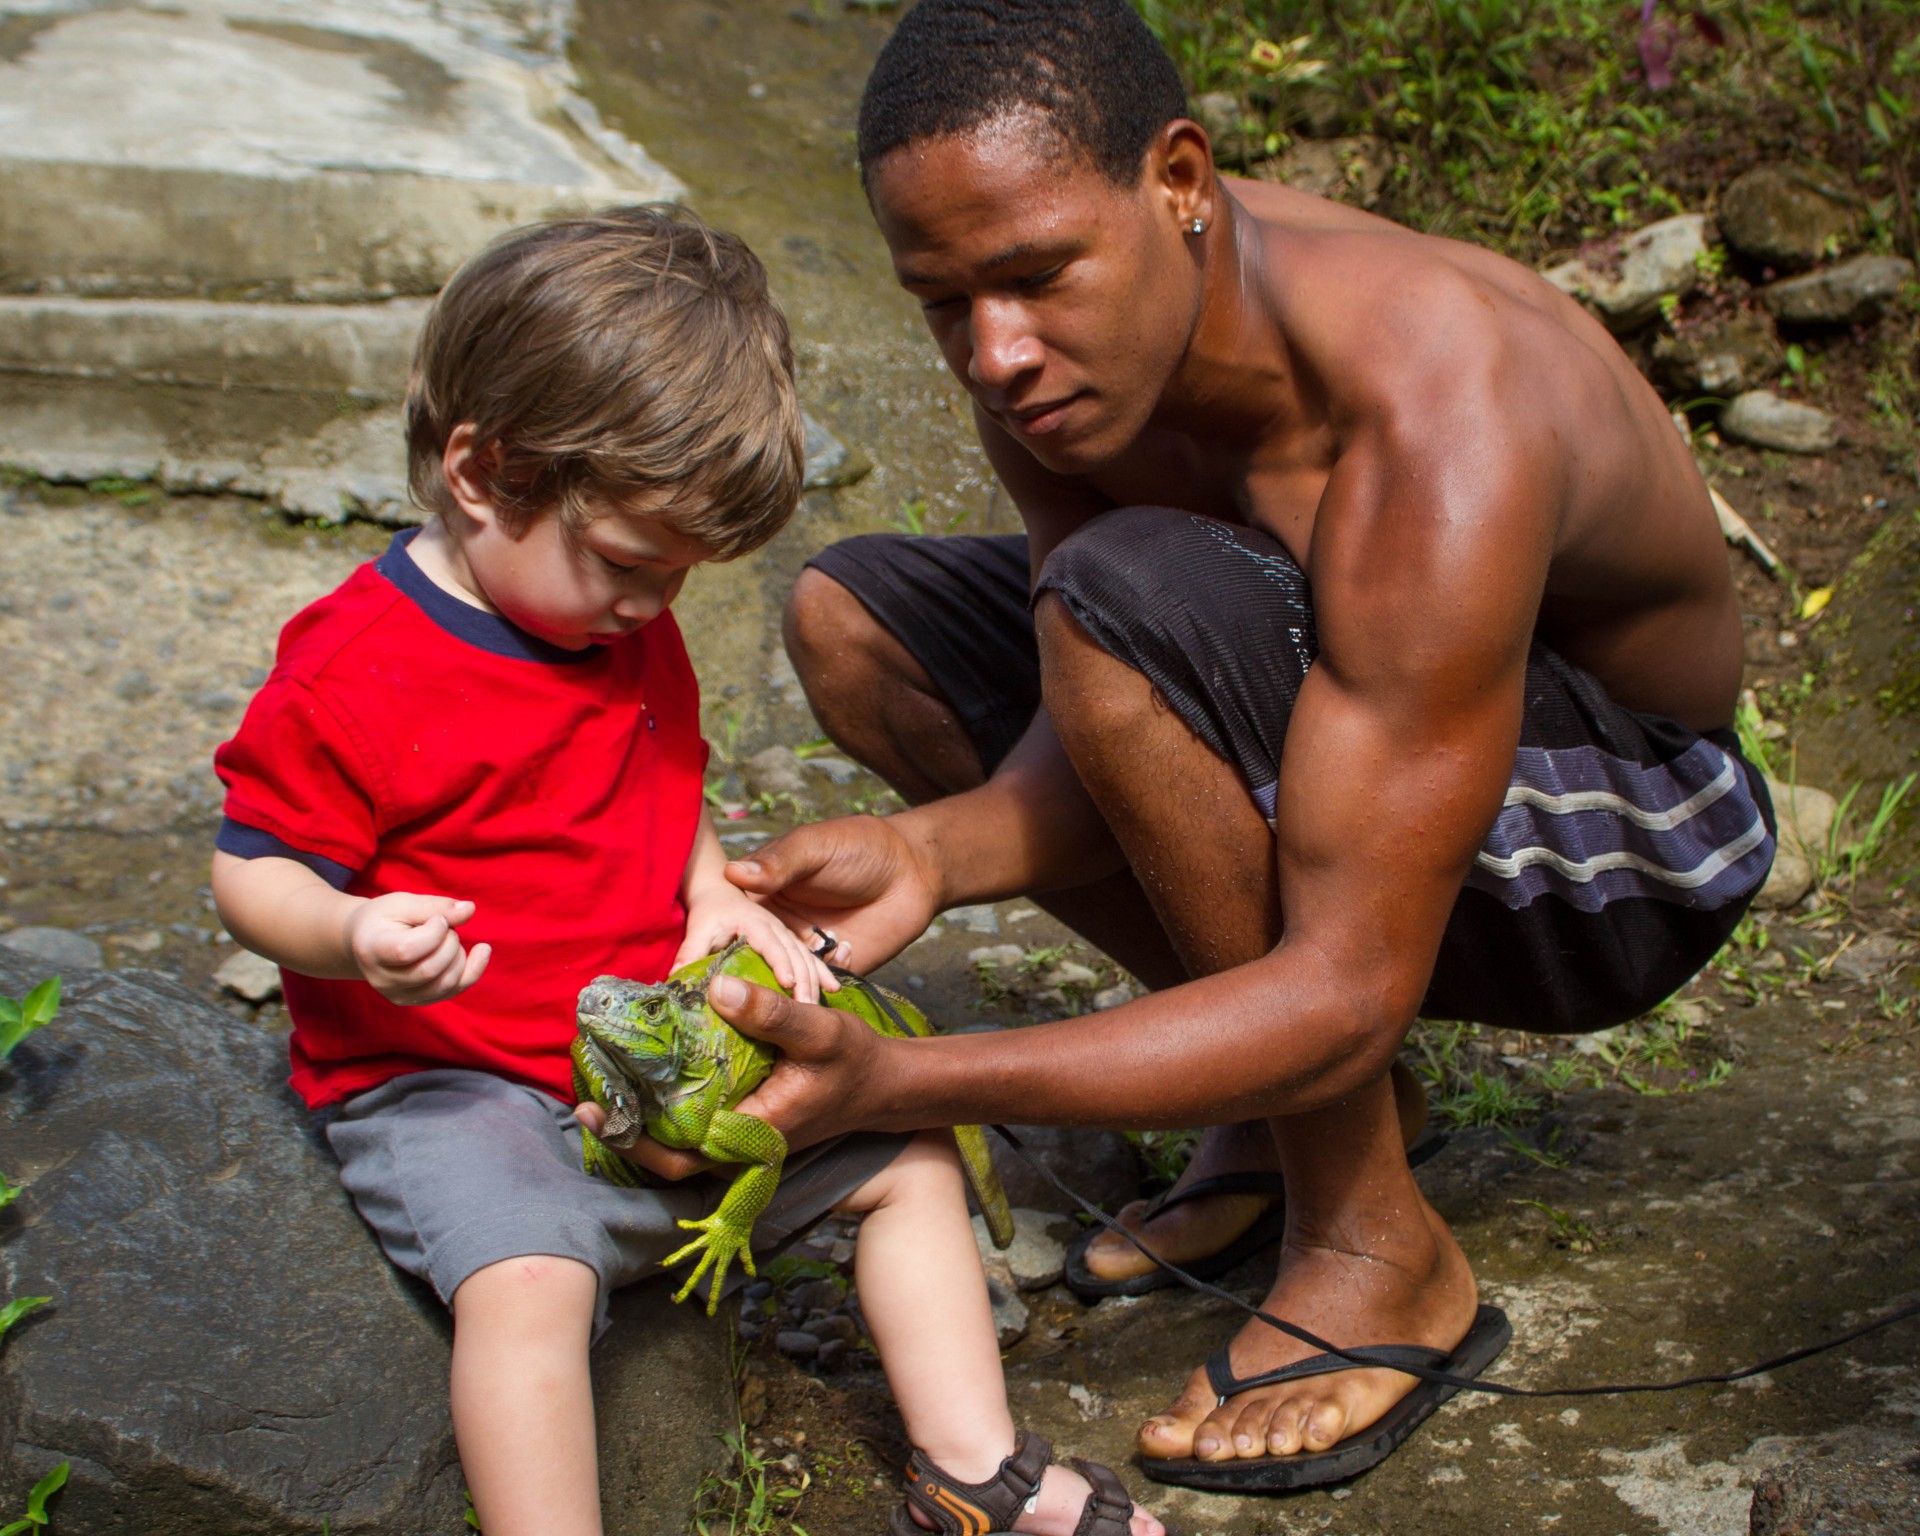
(720, 914)
(407, 950)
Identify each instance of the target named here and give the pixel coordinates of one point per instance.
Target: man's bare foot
(1197, 1228)
(1201, 1227)
(1416, 1288)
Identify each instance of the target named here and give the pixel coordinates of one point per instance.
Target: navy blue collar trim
(478, 628)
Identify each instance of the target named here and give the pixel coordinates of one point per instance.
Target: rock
(1350, 170)
(832, 1352)
(833, 1326)
(1780, 217)
(251, 976)
(227, 1349)
(1070, 975)
(1038, 1255)
(975, 919)
(835, 770)
(1805, 817)
(775, 771)
(1624, 281)
(1870, 960)
(1000, 957)
(1009, 1312)
(1097, 1165)
(811, 1296)
(1092, 1405)
(1219, 113)
(829, 462)
(796, 1343)
(1111, 997)
(1719, 358)
(1850, 293)
(1839, 1496)
(1762, 418)
(59, 948)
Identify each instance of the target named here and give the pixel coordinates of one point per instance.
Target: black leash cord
(1443, 1378)
(1423, 1373)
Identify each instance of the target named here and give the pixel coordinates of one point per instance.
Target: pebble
(815, 1296)
(831, 1352)
(1070, 973)
(142, 941)
(976, 919)
(1851, 293)
(999, 956)
(775, 771)
(1036, 1258)
(1648, 266)
(1780, 216)
(833, 1325)
(1112, 997)
(796, 1344)
(58, 947)
(842, 1251)
(829, 462)
(1764, 419)
(248, 975)
(835, 770)
(1010, 1313)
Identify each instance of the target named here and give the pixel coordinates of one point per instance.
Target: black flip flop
(1354, 1455)
(1267, 1228)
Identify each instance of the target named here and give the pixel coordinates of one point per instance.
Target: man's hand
(406, 948)
(858, 878)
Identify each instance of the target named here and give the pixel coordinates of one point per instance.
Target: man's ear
(1180, 170)
(469, 468)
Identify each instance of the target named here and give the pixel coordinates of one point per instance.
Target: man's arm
(1429, 558)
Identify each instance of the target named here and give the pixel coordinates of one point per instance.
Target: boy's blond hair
(635, 350)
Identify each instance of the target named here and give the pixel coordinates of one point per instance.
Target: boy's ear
(469, 468)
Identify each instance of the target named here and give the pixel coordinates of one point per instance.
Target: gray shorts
(456, 1169)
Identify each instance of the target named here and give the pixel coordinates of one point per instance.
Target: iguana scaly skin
(658, 1059)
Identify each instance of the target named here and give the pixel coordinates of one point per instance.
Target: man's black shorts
(1626, 852)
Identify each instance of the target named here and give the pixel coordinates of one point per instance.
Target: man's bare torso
(1635, 586)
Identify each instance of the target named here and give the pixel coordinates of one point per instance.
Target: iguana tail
(888, 1013)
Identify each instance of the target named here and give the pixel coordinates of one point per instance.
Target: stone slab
(338, 150)
(227, 1350)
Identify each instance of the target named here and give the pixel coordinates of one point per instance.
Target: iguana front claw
(717, 1244)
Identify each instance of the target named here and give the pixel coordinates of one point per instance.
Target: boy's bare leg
(924, 1297)
(882, 709)
(1365, 1259)
(522, 1397)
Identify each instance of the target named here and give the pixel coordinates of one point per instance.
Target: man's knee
(824, 626)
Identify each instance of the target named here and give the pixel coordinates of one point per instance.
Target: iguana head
(634, 1045)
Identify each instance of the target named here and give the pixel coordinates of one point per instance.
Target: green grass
(747, 1501)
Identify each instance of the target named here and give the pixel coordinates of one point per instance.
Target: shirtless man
(1385, 653)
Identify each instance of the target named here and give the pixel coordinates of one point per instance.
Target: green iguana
(658, 1059)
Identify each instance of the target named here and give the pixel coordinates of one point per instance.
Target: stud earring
(1197, 227)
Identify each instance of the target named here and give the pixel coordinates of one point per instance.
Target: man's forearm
(1261, 1039)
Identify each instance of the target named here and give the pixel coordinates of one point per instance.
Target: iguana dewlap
(658, 1059)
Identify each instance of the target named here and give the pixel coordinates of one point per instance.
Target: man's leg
(1365, 1259)
(881, 708)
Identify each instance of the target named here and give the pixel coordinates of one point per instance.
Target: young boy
(473, 783)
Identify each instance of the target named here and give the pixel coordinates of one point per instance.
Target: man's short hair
(632, 351)
(1090, 67)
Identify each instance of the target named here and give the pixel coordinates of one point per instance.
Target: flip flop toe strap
(1392, 1356)
(979, 1509)
(1108, 1511)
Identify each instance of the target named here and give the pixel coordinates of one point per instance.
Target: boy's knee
(534, 1284)
(928, 1167)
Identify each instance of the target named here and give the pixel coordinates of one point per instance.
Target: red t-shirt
(407, 741)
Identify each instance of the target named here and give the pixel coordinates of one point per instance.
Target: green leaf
(20, 1019)
(1877, 123)
(17, 1528)
(18, 1308)
(43, 1490)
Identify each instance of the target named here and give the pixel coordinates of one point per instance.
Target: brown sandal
(990, 1508)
